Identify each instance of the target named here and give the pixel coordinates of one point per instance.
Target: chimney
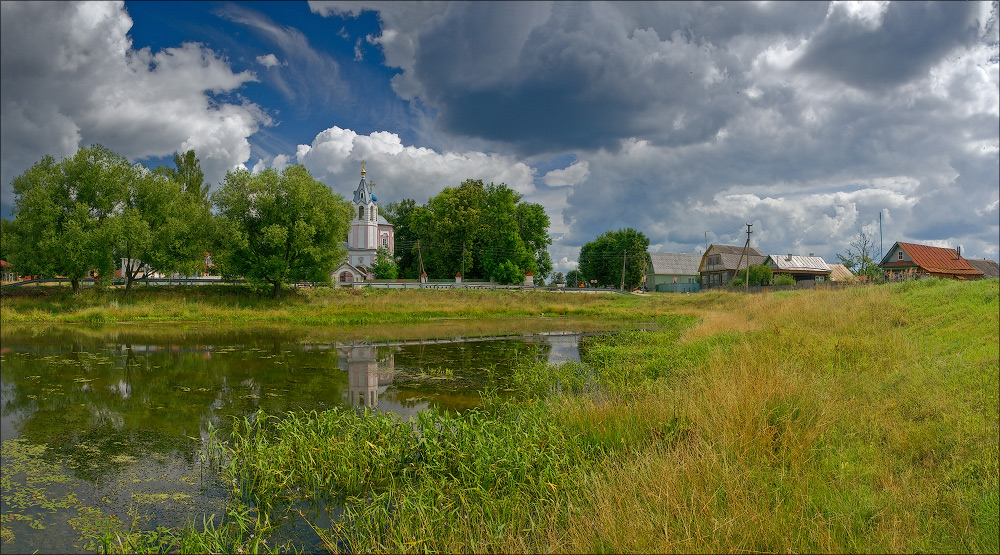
(811, 254)
(959, 251)
(788, 256)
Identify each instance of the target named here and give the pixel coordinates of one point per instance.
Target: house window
(900, 255)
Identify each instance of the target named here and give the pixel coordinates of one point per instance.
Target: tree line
(79, 216)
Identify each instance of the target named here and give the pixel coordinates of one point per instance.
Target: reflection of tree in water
(90, 401)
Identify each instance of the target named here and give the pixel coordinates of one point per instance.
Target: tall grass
(861, 420)
(830, 420)
(321, 306)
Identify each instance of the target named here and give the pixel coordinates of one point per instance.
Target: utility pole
(420, 259)
(623, 268)
(880, 236)
(744, 253)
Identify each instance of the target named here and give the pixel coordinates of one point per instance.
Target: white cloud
(268, 61)
(571, 175)
(402, 171)
(70, 78)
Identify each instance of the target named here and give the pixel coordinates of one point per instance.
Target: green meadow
(830, 420)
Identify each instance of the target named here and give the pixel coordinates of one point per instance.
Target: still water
(102, 426)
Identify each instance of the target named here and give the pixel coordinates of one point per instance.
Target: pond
(103, 426)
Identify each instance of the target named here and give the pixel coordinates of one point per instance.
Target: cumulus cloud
(689, 120)
(884, 45)
(268, 61)
(70, 78)
(404, 171)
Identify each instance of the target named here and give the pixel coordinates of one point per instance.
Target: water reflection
(367, 377)
(126, 414)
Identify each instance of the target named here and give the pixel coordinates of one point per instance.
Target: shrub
(783, 279)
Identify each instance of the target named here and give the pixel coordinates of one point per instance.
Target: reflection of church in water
(368, 375)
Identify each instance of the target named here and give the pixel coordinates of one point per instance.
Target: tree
(384, 266)
(482, 231)
(558, 278)
(63, 213)
(160, 226)
(574, 278)
(188, 173)
(400, 215)
(533, 226)
(605, 258)
(760, 274)
(859, 256)
(277, 228)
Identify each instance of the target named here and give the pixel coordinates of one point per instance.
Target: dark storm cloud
(909, 40)
(571, 75)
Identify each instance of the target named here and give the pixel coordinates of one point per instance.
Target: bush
(784, 279)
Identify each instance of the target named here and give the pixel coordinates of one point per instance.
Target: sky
(686, 121)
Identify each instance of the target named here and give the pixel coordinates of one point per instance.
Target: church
(369, 232)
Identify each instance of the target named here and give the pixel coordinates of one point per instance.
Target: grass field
(863, 419)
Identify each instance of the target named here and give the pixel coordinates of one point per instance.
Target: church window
(361, 212)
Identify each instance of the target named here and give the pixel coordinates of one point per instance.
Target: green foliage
(400, 215)
(278, 228)
(161, 226)
(760, 274)
(859, 257)
(508, 273)
(384, 266)
(188, 174)
(605, 258)
(481, 231)
(784, 279)
(63, 214)
(574, 278)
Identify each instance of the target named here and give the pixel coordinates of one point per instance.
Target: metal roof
(989, 268)
(675, 263)
(839, 272)
(935, 260)
(794, 263)
(730, 257)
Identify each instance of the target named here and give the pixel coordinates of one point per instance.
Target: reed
(864, 419)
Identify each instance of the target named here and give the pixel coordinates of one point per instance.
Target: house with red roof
(922, 260)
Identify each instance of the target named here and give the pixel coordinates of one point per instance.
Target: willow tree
(279, 228)
(63, 213)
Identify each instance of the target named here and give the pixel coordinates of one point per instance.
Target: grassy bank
(862, 419)
(307, 307)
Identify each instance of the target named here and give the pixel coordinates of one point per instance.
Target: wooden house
(673, 271)
(719, 264)
(923, 260)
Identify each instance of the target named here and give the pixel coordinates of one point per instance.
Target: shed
(801, 268)
(839, 272)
